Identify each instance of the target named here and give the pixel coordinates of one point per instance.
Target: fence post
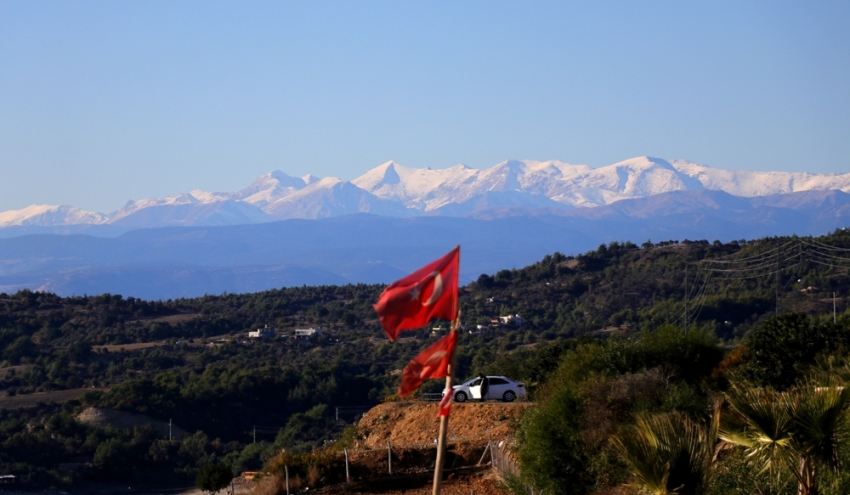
(286, 470)
(490, 449)
(347, 479)
(484, 454)
(390, 457)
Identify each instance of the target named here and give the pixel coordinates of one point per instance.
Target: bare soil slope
(127, 420)
(415, 424)
(411, 428)
(460, 482)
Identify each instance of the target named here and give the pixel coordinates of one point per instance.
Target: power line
(772, 262)
(766, 264)
(824, 246)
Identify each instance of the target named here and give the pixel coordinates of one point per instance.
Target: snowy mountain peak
(643, 162)
(395, 182)
(48, 216)
(396, 190)
(385, 174)
(515, 166)
(326, 182)
(210, 197)
(271, 187)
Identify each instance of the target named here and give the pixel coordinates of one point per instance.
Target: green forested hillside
(206, 376)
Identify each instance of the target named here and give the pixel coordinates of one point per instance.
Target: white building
(262, 333)
(480, 329)
(307, 332)
(511, 320)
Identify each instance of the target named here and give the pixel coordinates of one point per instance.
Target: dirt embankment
(415, 424)
(469, 481)
(406, 466)
(411, 428)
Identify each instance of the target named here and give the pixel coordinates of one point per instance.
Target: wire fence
(503, 462)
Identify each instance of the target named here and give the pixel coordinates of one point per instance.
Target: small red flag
(446, 403)
(429, 292)
(433, 362)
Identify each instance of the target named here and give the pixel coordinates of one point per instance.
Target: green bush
(600, 386)
(114, 458)
(779, 350)
(213, 477)
(553, 456)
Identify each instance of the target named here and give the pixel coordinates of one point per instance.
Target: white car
(501, 388)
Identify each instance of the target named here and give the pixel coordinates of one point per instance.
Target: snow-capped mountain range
(394, 190)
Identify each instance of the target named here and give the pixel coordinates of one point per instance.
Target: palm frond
(668, 453)
(799, 430)
(822, 423)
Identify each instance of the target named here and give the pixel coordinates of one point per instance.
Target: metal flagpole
(444, 420)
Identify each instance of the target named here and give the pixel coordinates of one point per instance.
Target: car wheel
(460, 397)
(509, 396)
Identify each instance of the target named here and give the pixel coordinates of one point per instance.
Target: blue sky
(101, 102)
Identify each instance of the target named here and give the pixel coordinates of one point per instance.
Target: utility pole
(687, 295)
(834, 321)
(777, 276)
(169, 430)
(255, 433)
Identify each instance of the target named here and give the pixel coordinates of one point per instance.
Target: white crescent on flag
(438, 289)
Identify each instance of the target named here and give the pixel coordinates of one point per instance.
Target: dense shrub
(213, 477)
(781, 347)
(599, 386)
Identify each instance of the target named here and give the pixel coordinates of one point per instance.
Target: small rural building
(8, 479)
(480, 329)
(307, 332)
(511, 320)
(262, 333)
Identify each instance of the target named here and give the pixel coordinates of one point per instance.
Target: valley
(242, 400)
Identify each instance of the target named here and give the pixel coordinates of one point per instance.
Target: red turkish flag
(446, 403)
(429, 292)
(433, 362)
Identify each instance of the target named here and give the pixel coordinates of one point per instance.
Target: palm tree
(832, 369)
(798, 430)
(668, 453)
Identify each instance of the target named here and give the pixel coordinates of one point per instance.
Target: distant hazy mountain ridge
(363, 248)
(391, 189)
(49, 215)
